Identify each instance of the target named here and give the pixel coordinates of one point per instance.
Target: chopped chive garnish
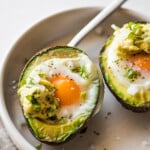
(132, 74)
(31, 98)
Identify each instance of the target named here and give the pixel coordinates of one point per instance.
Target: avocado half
(50, 130)
(140, 102)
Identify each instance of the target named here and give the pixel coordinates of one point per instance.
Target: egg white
(64, 66)
(141, 84)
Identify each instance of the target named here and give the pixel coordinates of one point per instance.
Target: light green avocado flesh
(140, 99)
(119, 89)
(59, 132)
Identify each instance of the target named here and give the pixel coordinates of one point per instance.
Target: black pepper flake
(42, 112)
(117, 61)
(47, 98)
(51, 63)
(48, 110)
(70, 116)
(83, 130)
(96, 133)
(106, 117)
(53, 118)
(25, 60)
(49, 66)
(109, 113)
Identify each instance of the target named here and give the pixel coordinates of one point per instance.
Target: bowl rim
(11, 130)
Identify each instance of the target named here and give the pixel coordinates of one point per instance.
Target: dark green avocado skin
(139, 109)
(125, 105)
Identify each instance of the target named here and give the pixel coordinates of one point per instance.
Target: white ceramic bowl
(58, 30)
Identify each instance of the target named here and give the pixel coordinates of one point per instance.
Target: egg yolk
(67, 90)
(142, 61)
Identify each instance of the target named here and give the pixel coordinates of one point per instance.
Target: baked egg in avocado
(125, 64)
(60, 88)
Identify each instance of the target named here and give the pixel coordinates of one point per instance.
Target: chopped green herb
(31, 81)
(132, 74)
(37, 106)
(42, 75)
(45, 83)
(82, 71)
(131, 36)
(29, 97)
(136, 33)
(22, 82)
(134, 26)
(109, 41)
(39, 146)
(83, 96)
(32, 99)
(107, 77)
(48, 110)
(117, 61)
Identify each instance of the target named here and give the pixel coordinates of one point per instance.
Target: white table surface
(17, 16)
